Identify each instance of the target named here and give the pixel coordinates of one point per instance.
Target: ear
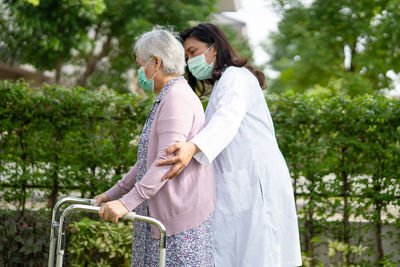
(157, 62)
(214, 50)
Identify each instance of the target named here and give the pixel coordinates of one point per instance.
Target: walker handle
(94, 209)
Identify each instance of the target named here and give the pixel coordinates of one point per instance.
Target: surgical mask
(199, 67)
(147, 85)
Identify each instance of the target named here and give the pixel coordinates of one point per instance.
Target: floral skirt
(194, 247)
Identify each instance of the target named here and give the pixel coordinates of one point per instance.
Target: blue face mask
(147, 85)
(199, 67)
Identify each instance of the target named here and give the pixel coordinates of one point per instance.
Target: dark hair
(226, 55)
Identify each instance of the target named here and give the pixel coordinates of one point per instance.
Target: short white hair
(162, 42)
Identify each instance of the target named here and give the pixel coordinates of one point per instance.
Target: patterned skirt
(194, 247)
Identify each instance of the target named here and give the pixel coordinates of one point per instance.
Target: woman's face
(193, 47)
(150, 69)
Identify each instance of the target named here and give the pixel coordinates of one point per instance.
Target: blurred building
(221, 17)
(228, 5)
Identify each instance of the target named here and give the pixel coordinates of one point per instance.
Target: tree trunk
(353, 52)
(309, 222)
(378, 231)
(53, 197)
(92, 187)
(311, 233)
(24, 157)
(346, 191)
(92, 61)
(58, 69)
(378, 211)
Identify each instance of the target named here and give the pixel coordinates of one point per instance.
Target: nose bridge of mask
(204, 53)
(200, 59)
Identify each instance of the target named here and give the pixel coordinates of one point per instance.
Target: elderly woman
(185, 206)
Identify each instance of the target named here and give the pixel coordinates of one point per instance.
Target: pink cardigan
(187, 200)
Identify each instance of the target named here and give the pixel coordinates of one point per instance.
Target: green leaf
(33, 2)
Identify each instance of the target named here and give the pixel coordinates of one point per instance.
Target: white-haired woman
(184, 206)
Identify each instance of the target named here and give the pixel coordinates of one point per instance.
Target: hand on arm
(184, 152)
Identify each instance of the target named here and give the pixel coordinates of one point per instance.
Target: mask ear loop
(209, 48)
(154, 75)
(148, 62)
(207, 51)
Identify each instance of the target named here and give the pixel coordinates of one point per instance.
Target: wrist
(123, 205)
(196, 149)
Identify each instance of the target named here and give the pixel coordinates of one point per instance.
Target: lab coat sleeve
(233, 98)
(173, 125)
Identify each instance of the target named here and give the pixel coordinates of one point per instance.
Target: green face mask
(147, 85)
(199, 67)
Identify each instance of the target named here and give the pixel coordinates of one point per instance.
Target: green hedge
(343, 155)
(344, 158)
(60, 139)
(95, 243)
(24, 241)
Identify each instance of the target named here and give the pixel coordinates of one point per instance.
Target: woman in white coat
(255, 217)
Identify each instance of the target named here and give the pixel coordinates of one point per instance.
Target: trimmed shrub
(95, 243)
(343, 155)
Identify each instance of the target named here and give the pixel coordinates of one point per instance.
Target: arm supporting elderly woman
(232, 105)
(173, 124)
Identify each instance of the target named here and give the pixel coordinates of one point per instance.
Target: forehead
(192, 42)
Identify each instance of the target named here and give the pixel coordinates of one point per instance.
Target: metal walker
(58, 227)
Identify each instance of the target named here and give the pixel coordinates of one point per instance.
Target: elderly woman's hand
(102, 198)
(184, 152)
(112, 211)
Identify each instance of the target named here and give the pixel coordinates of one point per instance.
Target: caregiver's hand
(112, 211)
(184, 152)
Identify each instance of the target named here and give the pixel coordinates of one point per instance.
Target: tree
(45, 33)
(339, 45)
(95, 35)
(128, 21)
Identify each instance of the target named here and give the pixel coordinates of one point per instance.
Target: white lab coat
(255, 217)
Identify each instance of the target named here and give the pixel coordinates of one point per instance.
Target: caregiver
(255, 216)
